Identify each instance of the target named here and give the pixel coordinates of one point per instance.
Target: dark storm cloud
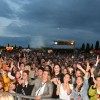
(83, 14)
(57, 19)
(5, 10)
(69, 14)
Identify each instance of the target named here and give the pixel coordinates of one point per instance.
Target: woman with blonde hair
(6, 96)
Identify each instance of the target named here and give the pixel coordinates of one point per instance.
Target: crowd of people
(66, 76)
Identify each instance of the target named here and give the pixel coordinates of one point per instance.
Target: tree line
(88, 47)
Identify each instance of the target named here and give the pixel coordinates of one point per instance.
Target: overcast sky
(40, 22)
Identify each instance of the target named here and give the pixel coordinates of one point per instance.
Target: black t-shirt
(24, 90)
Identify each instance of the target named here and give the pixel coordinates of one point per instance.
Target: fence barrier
(24, 97)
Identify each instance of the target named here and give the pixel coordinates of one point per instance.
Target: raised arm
(80, 67)
(10, 70)
(86, 77)
(97, 60)
(92, 74)
(87, 74)
(96, 66)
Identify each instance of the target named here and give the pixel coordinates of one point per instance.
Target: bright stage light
(56, 43)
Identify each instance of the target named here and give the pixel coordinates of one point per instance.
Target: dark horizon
(17, 43)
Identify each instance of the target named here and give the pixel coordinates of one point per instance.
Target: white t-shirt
(63, 93)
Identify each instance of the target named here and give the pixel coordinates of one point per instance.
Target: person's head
(79, 81)
(40, 71)
(98, 81)
(78, 73)
(47, 67)
(25, 74)
(67, 78)
(33, 65)
(62, 67)
(22, 66)
(27, 67)
(24, 59)
(57, 69)
(4, 73)
(46, 75)
(65, 71)
(6, 96)
(18, 74)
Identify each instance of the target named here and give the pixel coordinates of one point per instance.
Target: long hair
(53, 75)
(70, 82)
(75, 85)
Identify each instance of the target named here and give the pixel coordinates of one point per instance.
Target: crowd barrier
(23, 97)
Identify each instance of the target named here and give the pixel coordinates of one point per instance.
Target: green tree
(97, 45)
(8, 44)
(83, 47)
(87, 48)
(28, 46)
(91, 47)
